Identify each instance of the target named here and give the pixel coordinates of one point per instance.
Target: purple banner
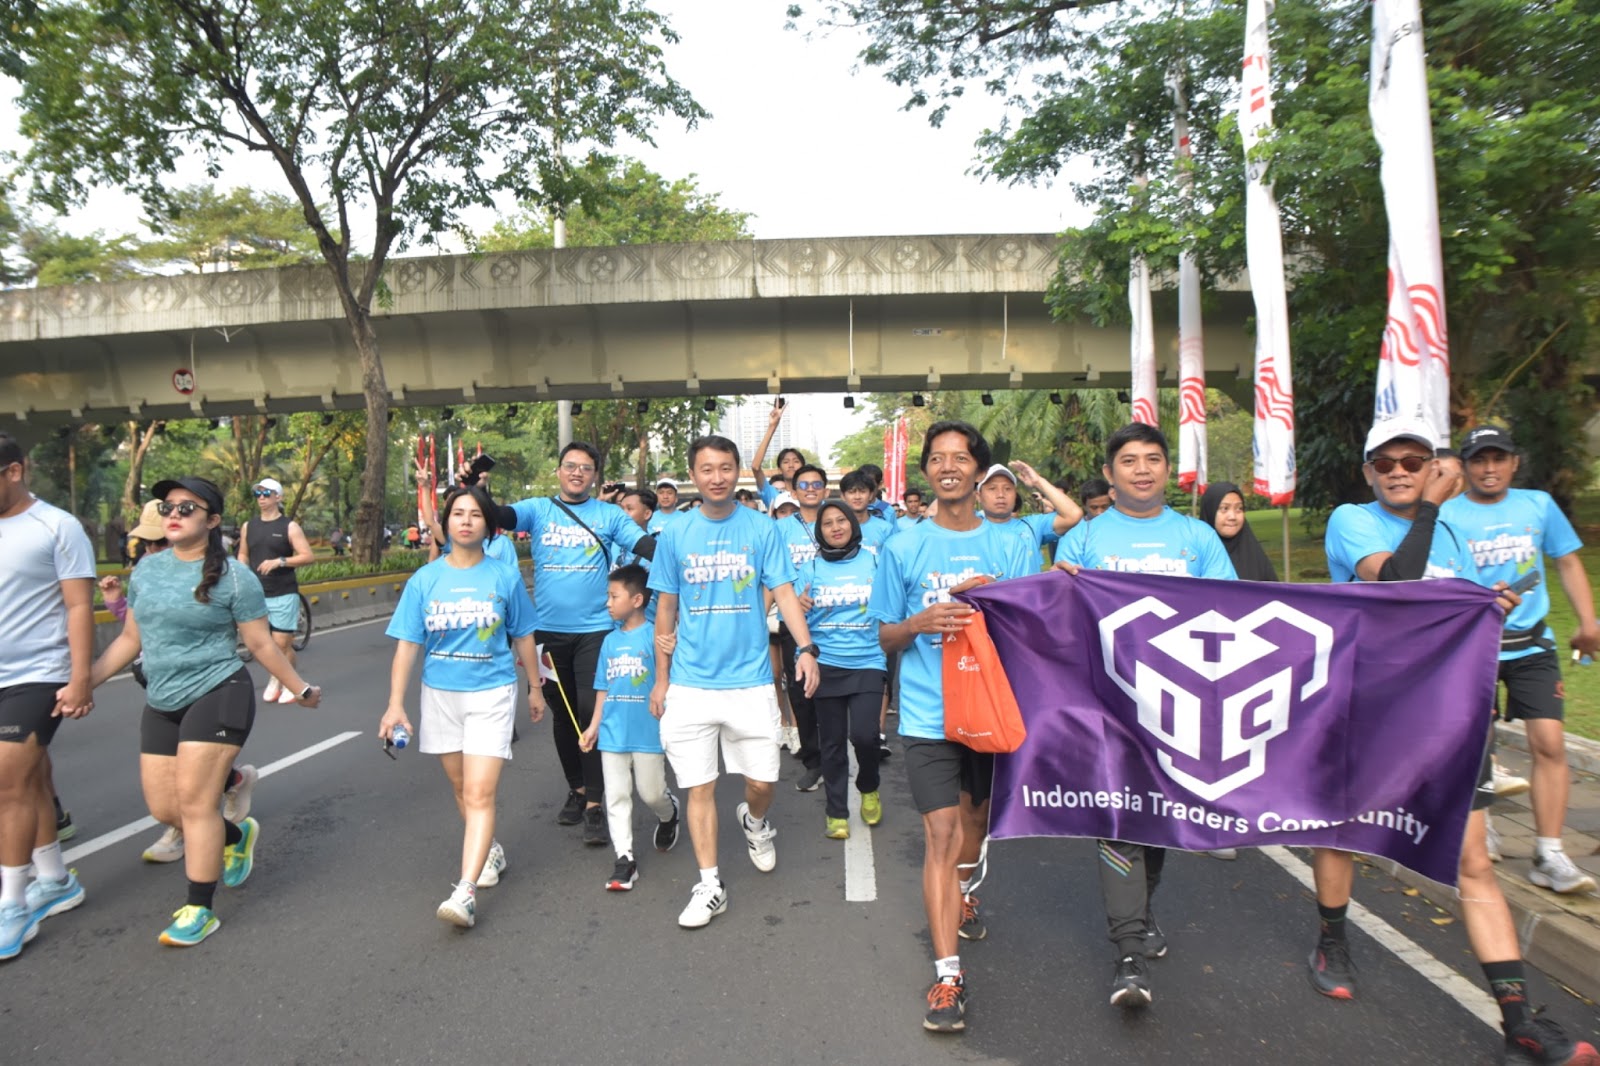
(1200, 714)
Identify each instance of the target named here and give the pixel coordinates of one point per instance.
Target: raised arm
(759, 457)
(1068, 513)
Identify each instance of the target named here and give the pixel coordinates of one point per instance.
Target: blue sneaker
(18, 925)
(190, 925)
(239, 859)
(46, 898)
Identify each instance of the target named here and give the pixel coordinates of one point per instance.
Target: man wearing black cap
(1509, 532)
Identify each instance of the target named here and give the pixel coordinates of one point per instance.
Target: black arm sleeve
(645, 547)
(1410, 560)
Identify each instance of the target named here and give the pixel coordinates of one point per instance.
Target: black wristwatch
(807, 649)
(305, 693)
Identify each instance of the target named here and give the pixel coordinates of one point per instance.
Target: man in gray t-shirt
(47, 625)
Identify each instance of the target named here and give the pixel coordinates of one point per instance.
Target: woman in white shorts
(458, 611)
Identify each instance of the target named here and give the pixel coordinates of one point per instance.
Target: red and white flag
(1191, 346)
(896, 441)
(1142, 346)
(1414, 364)
(1274, 414)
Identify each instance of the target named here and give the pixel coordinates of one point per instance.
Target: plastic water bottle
(400, 736)
(1580, 659)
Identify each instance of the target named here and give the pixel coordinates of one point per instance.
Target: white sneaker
(705, 903)
(1225, 854)
(1555, 871)
(285, 696)
(271, 693)
(763, 852)
(791, 738)
(493, 867)
(1494, 839)
(236, 800)
(167, 848)
(461, 908)
(1507, 783)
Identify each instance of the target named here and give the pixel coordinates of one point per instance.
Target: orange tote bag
(980, 709)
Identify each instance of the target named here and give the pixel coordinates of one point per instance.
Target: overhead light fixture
(577, 407)
(1055, 398)
(643, 407)
(917, 400)
(1122, 395)
(710, 405)
(850, 403)
(987, 399)
(216, 423)
(388, 416)
(447, 413)
(327, 418)
(511, 410)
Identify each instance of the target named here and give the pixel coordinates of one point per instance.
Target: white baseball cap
(999, 468)
(666, 481)
(270, 483)
(1393, 429)
(782, 500)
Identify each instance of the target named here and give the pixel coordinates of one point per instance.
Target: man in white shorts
(714, 689)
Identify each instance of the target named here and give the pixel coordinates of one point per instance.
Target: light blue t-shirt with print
(875, 533)
(1039, 530)
(906, 522)
(838, 619)
(189, 646)
(569, 567)
(918, 569)
(1166, 543)
(1508, 539)
(1356, 531)
(626, 672)
(461, 618)
(799, 537)
(717, 568)
(625, 558)
(43, 546)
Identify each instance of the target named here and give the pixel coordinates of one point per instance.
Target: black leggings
(575, 656)
(852, 717)
(805, 708)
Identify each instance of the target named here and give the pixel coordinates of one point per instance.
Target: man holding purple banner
(1139, 534)
(1400, 537)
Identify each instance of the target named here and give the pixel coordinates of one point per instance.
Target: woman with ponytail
(187, 608)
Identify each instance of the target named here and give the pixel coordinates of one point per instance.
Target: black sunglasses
(1410, 463)
(184, 509)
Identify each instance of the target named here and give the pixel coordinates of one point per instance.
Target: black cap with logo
(1481, 437)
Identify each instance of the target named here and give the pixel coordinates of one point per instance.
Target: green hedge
(395, 561)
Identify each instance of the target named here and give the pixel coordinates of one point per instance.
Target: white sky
(810, 147)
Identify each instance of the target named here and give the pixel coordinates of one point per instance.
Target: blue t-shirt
(461, 618)
(1356, 531)
(799, 536)
(838, 619)
(907, 522)
(659, 520)
(918, 569)
(769, 495)
(502, 548)
(624, 558)
(717, 569)
(875, 533)
(189, 647)
(1039, 530)
(1509, 538)
(1168, 543)
(569, 567)
(626, 672)
(882, 509)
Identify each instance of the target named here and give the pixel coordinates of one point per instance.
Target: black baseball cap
(1481, 437)
(197, 485)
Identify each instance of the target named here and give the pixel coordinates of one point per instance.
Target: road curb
(1582, 753)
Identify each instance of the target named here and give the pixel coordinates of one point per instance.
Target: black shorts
(1483, 795)
(222, 716)
(25, 711)
(1533, 687)
(940, 770)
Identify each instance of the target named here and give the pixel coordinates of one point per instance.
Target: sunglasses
(262, 494)
(810, 484)
(1410, 463)
(184, 509)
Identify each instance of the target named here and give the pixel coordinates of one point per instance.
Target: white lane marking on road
(117, 836)
(1473, 999)
(860, 873)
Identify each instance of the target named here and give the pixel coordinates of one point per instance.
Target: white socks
(708, 876)
(1541, 846)
(13, 886)
(950, 967)
(47, 862)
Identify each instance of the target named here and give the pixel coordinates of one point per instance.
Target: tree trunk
(140, 439)
(367, 544)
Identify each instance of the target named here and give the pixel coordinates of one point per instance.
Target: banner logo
(1251, 673)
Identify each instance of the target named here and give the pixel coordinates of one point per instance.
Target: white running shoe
(1555, 871)
(1494, 838)
(763, 852)
(271, 693)
(461, 909)
(1507, 783)
(285, 696)
(705, 903)
(493, 866)
(236, 800)
(167, 848)
(1225, 854)
(791, 739)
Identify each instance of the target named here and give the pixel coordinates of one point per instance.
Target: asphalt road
(331, 952)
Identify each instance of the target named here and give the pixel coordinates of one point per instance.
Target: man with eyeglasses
(798, 532)
(47, 614)
(574, 539)
(1399, 536)
(273, 546)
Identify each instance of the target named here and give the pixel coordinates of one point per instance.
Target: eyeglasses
(576, 468)
(1410, 463)
(184, 509)
(262, 494)
(810, 484)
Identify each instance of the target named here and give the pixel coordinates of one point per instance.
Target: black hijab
(851, 546)
(1250, 560)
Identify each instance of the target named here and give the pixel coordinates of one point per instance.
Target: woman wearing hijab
(1222, 508)
(834, 589)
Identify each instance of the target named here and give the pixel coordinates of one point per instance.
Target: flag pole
(1288, 574)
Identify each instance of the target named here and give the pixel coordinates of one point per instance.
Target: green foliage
(239, 229)
(394, 561)
(624, 203)
(58, 258)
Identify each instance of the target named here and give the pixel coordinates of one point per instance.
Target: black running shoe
(623, 875)
(1540, 1042)
(808, 781)
(667, 831)
(947, 1006)
(65, 830)
(1130, 985)
(594, 827)
(972, 927)
(1155, 941)
(1331, 969)
(572, 810)
(883, 747)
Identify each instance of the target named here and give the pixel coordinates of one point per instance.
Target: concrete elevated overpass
(715, 319)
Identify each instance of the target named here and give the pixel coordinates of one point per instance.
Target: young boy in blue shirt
(629, 735)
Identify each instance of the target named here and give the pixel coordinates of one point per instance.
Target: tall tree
(56, 257)
(408, 110)
(240, 229)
